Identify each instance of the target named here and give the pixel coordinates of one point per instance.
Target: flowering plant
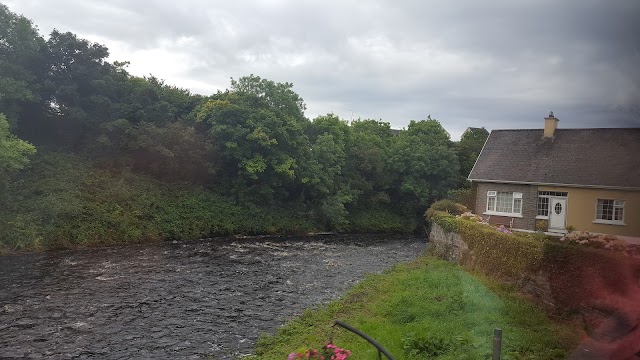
(503, 229)
(329, 352)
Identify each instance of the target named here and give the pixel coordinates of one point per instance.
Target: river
(189, 300)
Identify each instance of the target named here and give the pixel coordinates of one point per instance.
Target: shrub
(464, 196)
(379, 218)
(448, 206)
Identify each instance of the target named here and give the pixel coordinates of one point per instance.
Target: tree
(423, 162)
(173, 152)
(327, 190)
(468, 149)
(259, 137)
(23, 67)
(14, 153)
(276, 95)
(367, 160)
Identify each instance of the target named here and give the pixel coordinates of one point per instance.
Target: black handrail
(366, 337)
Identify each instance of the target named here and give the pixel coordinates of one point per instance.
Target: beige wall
(581, 209)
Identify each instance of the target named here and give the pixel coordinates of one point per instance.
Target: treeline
(247, 147)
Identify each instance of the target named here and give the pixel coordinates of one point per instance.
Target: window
(504, 202)
(543, 206)
(543, 201)
(610, 211)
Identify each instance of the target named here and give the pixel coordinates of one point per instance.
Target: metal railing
(381, 350)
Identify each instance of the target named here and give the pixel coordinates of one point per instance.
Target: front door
(558, 214)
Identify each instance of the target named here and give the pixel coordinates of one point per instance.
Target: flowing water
(190, 300)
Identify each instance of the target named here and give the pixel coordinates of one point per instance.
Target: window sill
(502, 214)
(542, 217)
(609, 222)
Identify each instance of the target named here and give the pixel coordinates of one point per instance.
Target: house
(553, 179)
(471, 130)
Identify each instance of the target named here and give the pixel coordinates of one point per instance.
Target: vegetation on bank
(428, 308)
(123, 158)
(62, 201)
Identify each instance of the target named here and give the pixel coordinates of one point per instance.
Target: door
(558, 214)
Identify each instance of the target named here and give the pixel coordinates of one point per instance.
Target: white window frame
(548, 195)
(493, 195)
(617, 203)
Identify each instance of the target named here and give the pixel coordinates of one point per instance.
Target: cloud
(498, 63)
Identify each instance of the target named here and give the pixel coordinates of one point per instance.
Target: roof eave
(556, 184)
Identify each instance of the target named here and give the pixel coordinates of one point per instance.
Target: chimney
(550, 125)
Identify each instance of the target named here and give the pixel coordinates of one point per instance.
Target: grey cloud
(499, 64)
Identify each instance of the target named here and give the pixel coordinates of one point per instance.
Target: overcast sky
(500, 64)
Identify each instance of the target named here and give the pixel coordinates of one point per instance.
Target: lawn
(426, 309)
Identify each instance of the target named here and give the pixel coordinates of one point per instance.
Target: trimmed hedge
(505, 256)
(574, 273)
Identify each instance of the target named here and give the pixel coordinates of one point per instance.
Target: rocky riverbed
(190, 300)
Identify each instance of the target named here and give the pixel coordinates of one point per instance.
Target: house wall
(581, 209)
(529, 202)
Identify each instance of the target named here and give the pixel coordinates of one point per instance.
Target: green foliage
(403, 309)
(171, 152)
(275, 95)
(504, 256)
(260, 144)
(431, 346)
(367, 168)
(446, 206)
(447, 223)
(251, 143)
(463, 196)
(381, 218)
(423, 162)
(86, 206)
(468, 149)
(14, 153)
(22, 66)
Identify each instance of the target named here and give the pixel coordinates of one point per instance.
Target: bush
(379, 218)
(448, 206)
(464, 196)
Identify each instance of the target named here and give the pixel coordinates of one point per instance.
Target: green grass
(432, 308)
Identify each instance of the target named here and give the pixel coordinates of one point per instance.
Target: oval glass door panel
(558, 208)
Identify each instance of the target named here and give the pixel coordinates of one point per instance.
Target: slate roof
(589, 157)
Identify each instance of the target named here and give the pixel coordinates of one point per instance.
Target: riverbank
(63, 201)
(427, 307)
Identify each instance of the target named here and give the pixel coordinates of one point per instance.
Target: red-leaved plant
(329, 352)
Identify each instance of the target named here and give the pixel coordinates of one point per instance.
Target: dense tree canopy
(251, 142)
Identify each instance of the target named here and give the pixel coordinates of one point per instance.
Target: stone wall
(446, 245)
(452, 247)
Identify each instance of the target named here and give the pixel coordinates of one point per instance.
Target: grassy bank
(428, 308)
(64, 201)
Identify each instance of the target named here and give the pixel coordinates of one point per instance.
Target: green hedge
(504, 256)
(574, 273)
